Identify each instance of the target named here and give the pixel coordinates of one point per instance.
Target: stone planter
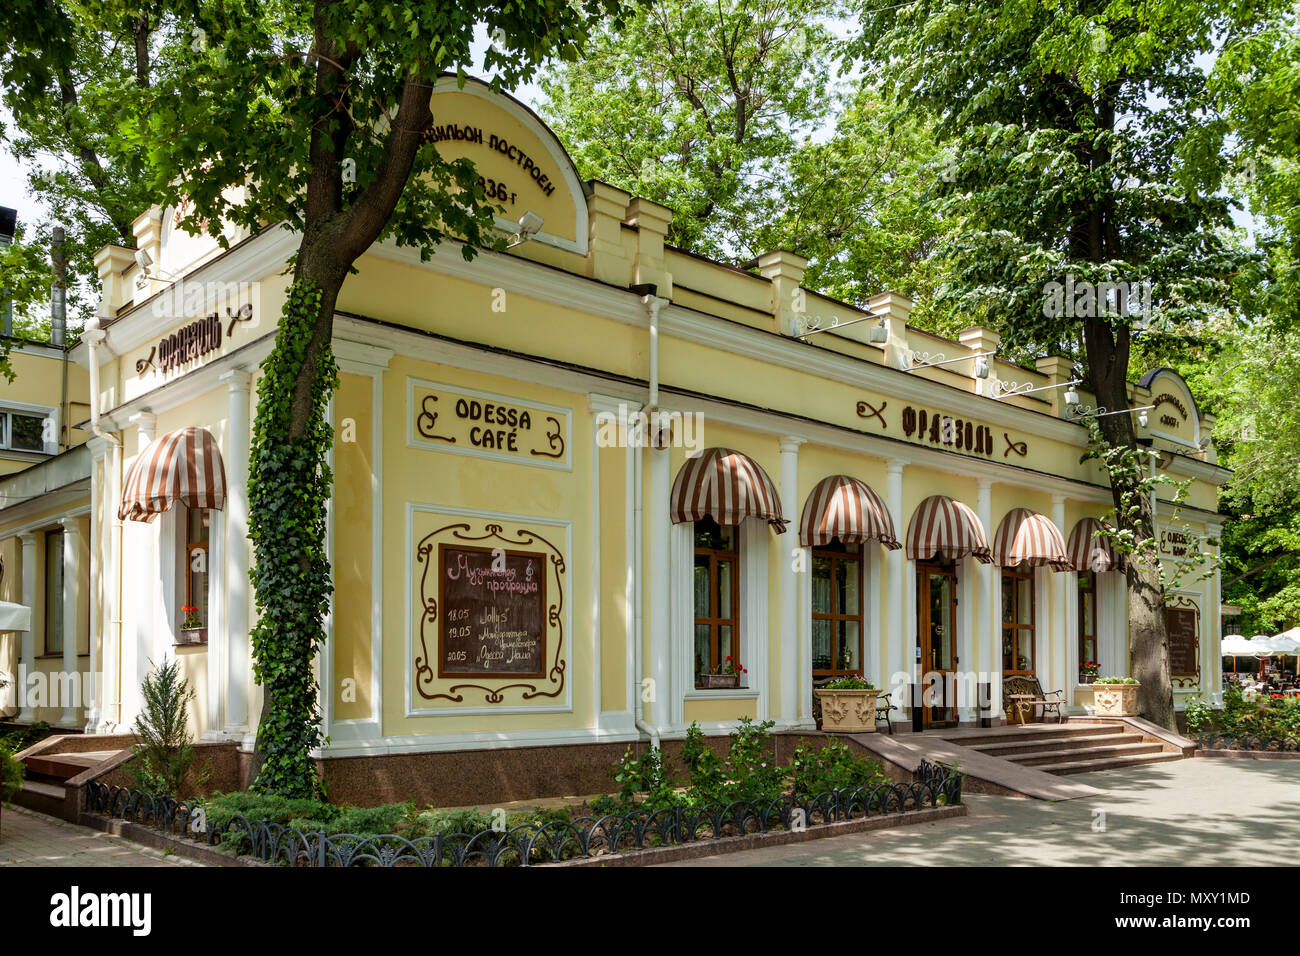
(848, 711)
(717, 681)
(1115, 700)
(192, 635)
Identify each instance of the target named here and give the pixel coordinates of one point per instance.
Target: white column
(94, 694)
(897, 658)
(146, 587)
(110, 707)
(28, 649)
(237, 655)
(71, 588)
(1061, 654)
(661, 635)
(1212, 682)
(990, 637)
(967, 621)
(788, 633)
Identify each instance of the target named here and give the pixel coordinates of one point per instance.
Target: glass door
(936, 634)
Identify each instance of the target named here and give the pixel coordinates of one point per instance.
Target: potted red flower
(1088, 672)
(729, 676)
(193, 630)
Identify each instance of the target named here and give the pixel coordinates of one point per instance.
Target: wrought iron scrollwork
(530, 844)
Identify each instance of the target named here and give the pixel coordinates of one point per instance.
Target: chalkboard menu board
(1181, 625)
(493, 612)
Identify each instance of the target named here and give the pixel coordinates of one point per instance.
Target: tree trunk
(1148, 642)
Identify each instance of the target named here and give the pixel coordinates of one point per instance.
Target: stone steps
(1112, 763)
(1049, 760)
(1015, 749)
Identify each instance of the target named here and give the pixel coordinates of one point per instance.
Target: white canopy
(15, 617)
(1234, 645)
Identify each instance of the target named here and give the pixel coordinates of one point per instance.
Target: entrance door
(936, 635)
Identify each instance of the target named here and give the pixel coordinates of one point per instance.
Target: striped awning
(1027, 537)
(946, 528)
(845, 508)
(1088, 549)
(726, 486)
(184, 465)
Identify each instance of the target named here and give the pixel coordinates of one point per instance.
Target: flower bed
(744, 793)
(1271, 725)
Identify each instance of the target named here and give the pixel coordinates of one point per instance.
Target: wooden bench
(1023, 700)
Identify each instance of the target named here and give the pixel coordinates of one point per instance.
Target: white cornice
(192, 384)
(252, 260)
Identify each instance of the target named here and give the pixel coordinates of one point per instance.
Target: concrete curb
(1249, 754)
(147, 836)
(758, 841)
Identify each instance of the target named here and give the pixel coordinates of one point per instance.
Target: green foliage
(703, 766)
(751, 768)
(388, 818)
(273, 808)
(288, 489)
(1275, 718)
(447, 822)
(1131, 476)
(850, 683)
(12, 772)
(834, 766)
(699, 106)
(164, 757)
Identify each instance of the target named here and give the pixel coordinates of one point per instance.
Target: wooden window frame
(190, 548)
(838, 557)
(1083, 635)
(715, 622)
(1020, 573)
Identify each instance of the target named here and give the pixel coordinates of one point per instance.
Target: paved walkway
(33, 839)
(1197, 812)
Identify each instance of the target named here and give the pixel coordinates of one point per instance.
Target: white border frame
(408, 675)
(556, 464)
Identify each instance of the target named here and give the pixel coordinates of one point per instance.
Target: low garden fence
(529, 843)
(1269, 743)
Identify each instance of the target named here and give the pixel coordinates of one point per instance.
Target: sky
(13, 175)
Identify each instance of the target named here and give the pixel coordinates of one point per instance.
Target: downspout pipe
(94, 337)
(653, 303)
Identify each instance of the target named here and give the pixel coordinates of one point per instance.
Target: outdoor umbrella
(15, 617)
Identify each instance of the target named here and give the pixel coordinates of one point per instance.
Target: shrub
(751, 769)
(703, 766)
(1200, 716)
(832, 767)
(12, 772)
(850, 683)
(446, 822)
(165, 755)
(256, 807)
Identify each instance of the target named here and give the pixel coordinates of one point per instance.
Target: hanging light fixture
(1071, 396)
(879, 333)
(981, 367)
(1142, 418)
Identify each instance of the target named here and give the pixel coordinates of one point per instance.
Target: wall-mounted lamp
(918, 360)
(1011, 388)
(982, 367)
(1078, 411)
(878, 334)
(529, 225)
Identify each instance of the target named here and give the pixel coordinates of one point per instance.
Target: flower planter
(192, 635)
(1115, 700)
(717, 681)
(848, 711)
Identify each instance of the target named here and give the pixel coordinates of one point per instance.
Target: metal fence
(1214, 740)
(527, 844)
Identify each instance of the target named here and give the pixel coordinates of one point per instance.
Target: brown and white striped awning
(845, 508)
(1027, 537)
(726, 486)
(1088, 549)
(942, 527)
(184, 465)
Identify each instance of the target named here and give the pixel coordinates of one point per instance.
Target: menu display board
(493, 617)
(1181, 626)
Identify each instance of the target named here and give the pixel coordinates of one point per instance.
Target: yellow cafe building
(587, 491)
